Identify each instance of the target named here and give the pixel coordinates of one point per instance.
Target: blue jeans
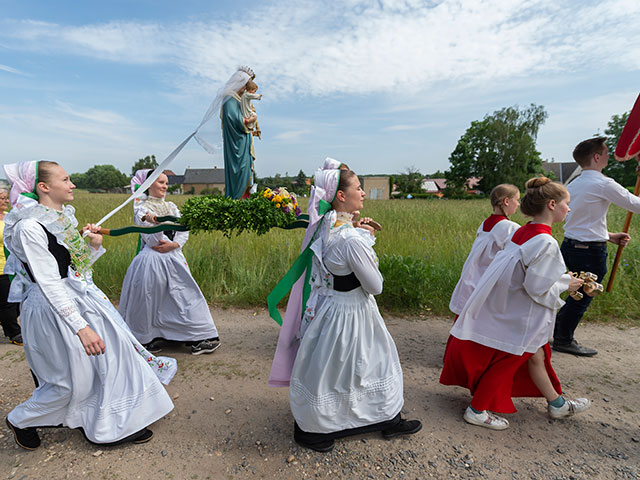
(579, 257)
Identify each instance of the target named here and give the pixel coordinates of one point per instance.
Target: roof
(169, 173)
(175, 179)
(563, 171)
(204, 175)
(432, 185)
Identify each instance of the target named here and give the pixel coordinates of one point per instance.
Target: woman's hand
(91, 341)
(164, 246)
(93, 232)
(575, 283)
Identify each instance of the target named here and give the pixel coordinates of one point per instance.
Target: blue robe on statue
(238, 146)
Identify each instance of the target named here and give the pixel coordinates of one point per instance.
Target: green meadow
(422, 248)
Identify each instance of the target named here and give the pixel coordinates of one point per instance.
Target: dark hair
(540, 190)
(585, 150)
(251, 85)
(346, 177)
(502, 191)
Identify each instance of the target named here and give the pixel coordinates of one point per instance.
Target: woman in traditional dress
(92, 372)
(8, 310)
(346, 378)
(160, 300)
(499, 346)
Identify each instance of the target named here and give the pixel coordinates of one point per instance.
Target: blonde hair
(251, 85)
(500, 192)
(539, 191)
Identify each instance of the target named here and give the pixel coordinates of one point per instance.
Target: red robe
(494, 377)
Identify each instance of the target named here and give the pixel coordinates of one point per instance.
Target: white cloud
(7, 68)
(292, 135)
(360, 47)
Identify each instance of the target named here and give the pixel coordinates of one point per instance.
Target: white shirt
(513, 306)
(484, 249)
(591, 194)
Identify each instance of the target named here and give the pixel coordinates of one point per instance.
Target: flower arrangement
(283, 199)
(259, 213)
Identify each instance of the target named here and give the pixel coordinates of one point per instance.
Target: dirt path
(228, 424)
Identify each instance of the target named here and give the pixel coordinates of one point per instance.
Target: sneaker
(154, 346)
(205, 346)
(404, 427)
(485, 419)
(27, 438)
(570, 407)
(16, 340)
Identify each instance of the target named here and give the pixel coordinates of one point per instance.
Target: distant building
(376, 188)
(198, 179)
(563, 172)
(435, 186)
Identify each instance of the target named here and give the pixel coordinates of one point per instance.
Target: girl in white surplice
(346, 378)
(160, 299)
(92, 373)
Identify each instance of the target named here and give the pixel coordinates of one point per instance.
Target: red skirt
(492, 376)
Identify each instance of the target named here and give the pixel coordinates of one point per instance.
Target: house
(435, 186)
(376, 188)
(564, 172)
(198, 179)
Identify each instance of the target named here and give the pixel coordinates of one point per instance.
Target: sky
(380, 85)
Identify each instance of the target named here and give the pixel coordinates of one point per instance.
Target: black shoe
(27, 438)
(16, 340)
(154, 346)
(404, 427)
(574, 348)
(205, 346)
(322, 447)
(144, 437)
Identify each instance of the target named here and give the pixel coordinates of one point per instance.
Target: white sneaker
(570, 407)
(485, 419)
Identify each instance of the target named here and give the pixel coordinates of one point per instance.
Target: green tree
(79, 180)
(501, 148)
(142, 163)
(410, 181)
(105, 177)
(622, 172)
(300, 183)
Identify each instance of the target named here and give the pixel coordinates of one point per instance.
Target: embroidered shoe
(205, 346)
(16, 340)
(570, 407)
(485, 419)
(27, 438)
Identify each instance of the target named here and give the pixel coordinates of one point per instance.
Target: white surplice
(484, 249)
(110, 396)
(513, 306)
(160, 298)
(347, 373)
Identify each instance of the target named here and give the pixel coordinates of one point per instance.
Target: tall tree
(146, 162)
(105, 177)
(301, 186)
(410, 181)
(622, 172)
(501, 148)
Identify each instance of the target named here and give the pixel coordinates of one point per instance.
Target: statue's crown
(247, 70)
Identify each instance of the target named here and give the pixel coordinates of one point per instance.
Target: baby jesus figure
(247, 108)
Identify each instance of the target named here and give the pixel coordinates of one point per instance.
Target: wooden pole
(627, 224)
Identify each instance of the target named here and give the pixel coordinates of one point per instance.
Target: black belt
(345, 283)
(579, 244)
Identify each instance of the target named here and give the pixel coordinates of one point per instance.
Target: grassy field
(422, 248)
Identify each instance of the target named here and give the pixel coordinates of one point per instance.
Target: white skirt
(347, 372)
(110, 396)
(160, 299)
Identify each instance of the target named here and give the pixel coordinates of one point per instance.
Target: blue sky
(381, 85)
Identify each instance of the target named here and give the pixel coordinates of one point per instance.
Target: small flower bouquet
(259, 213)
(283, 200)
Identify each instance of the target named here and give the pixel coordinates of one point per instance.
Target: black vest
(60, 253)
(345, 283)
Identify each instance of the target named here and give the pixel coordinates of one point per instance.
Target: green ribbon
(116, 232)
(302, 264)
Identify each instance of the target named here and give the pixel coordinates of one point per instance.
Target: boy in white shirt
(585, 234)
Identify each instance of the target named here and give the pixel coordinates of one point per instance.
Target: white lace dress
(110, 396)
(347, 372)
(160, 298)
